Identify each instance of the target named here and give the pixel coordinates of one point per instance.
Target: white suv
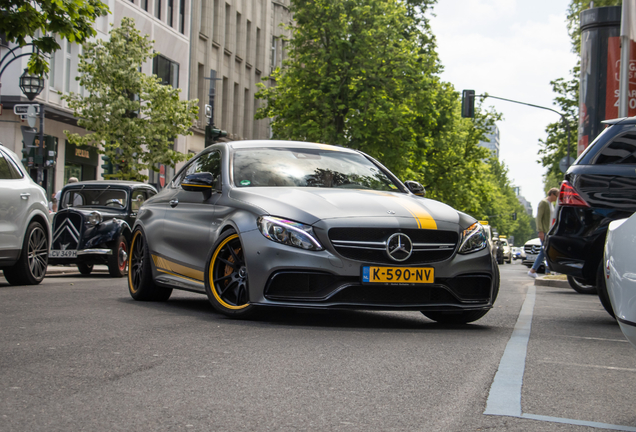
(25, 231)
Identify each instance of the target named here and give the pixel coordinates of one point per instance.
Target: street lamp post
(31, 85)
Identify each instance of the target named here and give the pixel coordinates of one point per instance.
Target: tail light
(570, 197)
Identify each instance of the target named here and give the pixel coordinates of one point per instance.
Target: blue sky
(511, 49)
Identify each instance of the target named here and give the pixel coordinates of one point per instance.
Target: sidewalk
(72, 269)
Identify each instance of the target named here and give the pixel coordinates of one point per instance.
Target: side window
(621, 151)
(7, 170)
(137, 200)
(210, 162)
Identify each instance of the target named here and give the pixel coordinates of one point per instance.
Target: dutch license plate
(405, 275)
(63, 254)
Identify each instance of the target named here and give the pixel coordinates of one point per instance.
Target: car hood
(310, 205)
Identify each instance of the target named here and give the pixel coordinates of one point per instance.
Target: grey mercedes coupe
(281, 223)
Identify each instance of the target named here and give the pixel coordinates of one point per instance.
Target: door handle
(174, 202)
(25, 195)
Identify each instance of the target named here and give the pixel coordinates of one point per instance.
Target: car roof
(283, 144)
(622, 120)
(117, 183)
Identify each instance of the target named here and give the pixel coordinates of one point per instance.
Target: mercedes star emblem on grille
(399, 247)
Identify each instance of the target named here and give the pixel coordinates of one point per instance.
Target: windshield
(287, 167)
(112, 198)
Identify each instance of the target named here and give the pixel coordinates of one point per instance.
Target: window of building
(158, 9)
(246, 114)
(167, 70)
(216, 31)
(237, 38)
(274, 51)
(257, 58)
(226, 96)
(201, 16)
(621, 151)
(248, 41)
(52, 70)
(228, 28)
(236, 124)
(201, 94)
(144, 5)
(182, 16)
(170, 12)
(67, 68)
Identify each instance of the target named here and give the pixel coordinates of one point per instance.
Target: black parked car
(599, 187)
(93, 224)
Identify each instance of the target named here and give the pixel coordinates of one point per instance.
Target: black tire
(118, 261)
(85, 269)
(34, 258)
(226, 277)
(580, 287)
(465, 317)
(601, 289)
(140, 283)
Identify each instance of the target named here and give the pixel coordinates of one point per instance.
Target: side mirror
(415, 188)
(199, 182)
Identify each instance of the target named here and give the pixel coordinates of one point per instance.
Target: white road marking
(601, 339)
(589, 366)
(504, 398)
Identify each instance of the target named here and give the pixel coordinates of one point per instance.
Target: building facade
(492, 141)
(167, 22)
(243, 42)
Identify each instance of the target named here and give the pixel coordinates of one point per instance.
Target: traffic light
(514, 216)
(107, 166)
(50, 151)
(468, 103)
(27, 155)
(212, 134)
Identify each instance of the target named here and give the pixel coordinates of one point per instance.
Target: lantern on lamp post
(31, 85)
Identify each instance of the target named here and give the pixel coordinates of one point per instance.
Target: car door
(15, 198)
(189, 215)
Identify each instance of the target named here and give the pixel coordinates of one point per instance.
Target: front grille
(532, 249)
(67, 230)
(369, 244)
(290, 285)
(394, 295)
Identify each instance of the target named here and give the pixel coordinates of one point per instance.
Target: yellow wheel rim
(227, 274)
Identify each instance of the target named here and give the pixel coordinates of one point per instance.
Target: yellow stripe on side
(168, 266)
(196, 185)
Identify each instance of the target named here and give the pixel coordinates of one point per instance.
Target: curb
(554, 283)
(62, 270)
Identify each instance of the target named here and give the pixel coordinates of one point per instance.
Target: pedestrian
(58, 194)
(545, 219)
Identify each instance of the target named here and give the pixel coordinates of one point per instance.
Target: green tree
(554, 147)
(41, 20)
(360, 74)
(132, 118)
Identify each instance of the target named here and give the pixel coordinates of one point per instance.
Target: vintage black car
(93, 224)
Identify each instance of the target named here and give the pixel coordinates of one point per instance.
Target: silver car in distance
(280, 223)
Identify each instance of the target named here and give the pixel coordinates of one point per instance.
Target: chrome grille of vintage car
(67, 229)
(369, 244)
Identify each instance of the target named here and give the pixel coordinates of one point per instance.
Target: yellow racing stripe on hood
(423, 219)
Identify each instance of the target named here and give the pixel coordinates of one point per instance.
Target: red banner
(613, 68)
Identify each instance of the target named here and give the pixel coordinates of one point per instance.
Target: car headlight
(94, 218)
(473, 239)
(289, 233)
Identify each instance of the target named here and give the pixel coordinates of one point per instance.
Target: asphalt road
(77, 353)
